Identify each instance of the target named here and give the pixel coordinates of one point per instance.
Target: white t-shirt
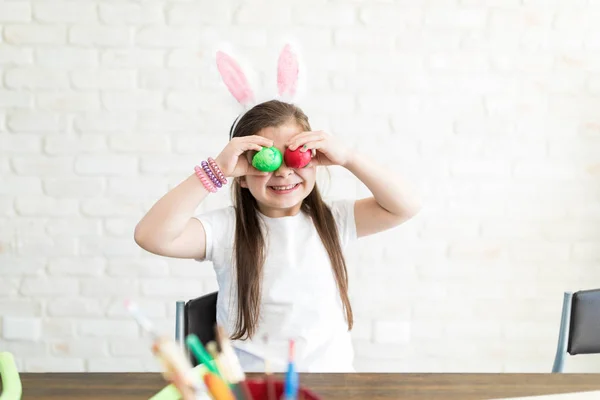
(300, 298)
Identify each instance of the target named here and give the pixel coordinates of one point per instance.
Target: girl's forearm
(168, 217)
(390, 191)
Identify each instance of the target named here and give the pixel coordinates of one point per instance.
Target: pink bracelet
(207, 184)
(211, 175)
(217, 170)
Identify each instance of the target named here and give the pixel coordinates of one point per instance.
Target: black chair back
(584, 329)
(200, 318)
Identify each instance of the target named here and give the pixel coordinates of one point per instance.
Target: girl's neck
(271, 212)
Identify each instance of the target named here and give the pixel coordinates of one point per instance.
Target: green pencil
(196, 347)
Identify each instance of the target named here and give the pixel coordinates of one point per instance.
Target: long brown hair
(249, 244)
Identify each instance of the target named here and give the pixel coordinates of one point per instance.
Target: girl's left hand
(330, 150)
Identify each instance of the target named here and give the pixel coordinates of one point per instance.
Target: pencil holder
(259, 389)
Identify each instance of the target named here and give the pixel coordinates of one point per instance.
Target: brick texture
(489, 106)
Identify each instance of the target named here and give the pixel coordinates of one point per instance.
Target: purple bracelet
(210, 174)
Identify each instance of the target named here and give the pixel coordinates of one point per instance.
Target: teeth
(288, 187)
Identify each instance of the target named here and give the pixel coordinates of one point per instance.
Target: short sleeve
(343, 213)
(219, 232)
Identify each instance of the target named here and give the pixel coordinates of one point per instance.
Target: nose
(283, 171)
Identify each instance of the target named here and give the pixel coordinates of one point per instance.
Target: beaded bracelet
(217, 170)
(211, 175)
(207, 183)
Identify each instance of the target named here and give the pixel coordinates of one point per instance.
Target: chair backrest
(197, 316)
(579, 327)
(584, 330)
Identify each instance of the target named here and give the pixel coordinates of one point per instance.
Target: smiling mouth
(284, 188)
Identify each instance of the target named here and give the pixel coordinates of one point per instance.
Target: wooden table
(91, 386)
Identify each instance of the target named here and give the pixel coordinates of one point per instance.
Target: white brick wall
(490, 106)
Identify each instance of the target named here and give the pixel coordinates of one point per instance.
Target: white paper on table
(595, 395)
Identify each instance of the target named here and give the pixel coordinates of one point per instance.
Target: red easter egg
(297, 158)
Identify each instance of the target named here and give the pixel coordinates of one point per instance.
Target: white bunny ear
(288, 69)
(235, 79)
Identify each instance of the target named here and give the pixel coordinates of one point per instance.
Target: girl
(278, 251)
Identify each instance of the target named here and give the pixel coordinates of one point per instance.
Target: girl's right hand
(230, 162)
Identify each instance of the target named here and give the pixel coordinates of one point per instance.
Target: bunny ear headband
(288, 71)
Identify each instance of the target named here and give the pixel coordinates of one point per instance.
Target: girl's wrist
(219, 162)
(211, 175)
(217, 170)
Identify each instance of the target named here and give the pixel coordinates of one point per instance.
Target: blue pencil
(291, 377)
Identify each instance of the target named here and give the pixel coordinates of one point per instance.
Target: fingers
(253, 142)
(245, 146)
(258, 140)
(304, 138)
(252, 147)
(313, 146)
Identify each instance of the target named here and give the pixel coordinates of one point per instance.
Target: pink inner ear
(287, 72)
(234, 78)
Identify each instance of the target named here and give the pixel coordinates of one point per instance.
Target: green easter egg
(268, 159)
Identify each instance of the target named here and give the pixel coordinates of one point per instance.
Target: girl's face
(280, 193)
